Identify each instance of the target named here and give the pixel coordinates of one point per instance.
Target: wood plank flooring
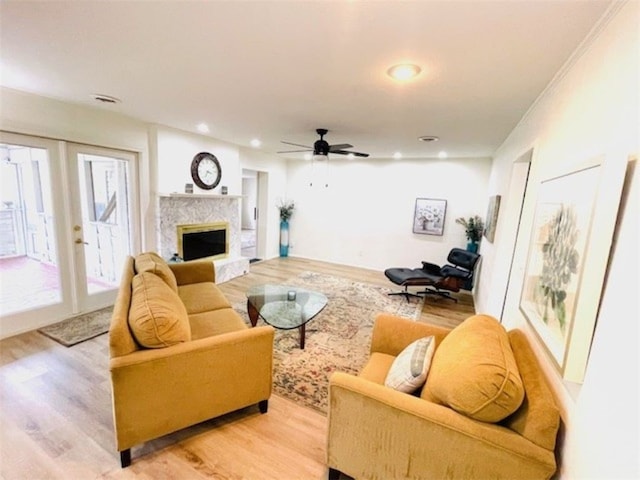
(55, 408)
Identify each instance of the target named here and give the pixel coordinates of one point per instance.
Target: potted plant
(286, 210)
(473, 229)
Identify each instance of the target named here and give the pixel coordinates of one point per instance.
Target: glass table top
(285, 307)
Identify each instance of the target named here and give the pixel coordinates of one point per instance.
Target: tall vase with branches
(286, 211)
(473, 229)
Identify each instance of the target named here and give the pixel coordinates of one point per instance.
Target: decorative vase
(472, 247)
(284, 238)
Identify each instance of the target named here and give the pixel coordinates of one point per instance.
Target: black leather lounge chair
(437, 280)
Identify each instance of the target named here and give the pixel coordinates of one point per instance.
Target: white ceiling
(278, 70)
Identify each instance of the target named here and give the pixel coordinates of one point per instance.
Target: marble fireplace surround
(182, 208)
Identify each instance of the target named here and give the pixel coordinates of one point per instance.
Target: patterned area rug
(78, 329)
(337, 339)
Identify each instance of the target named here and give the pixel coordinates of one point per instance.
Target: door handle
(79, 240)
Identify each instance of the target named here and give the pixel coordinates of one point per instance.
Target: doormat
(78, 329)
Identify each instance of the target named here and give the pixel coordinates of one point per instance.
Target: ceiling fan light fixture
(319, 157)
(404, 71)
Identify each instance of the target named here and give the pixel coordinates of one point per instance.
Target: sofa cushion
(216, 322)
(202, 297)
(474, 371)
(157, 317)
(409, 370)
(154, 263)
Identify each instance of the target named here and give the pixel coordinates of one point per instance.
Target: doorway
(67, 217)
(513, 213)
(249, 217)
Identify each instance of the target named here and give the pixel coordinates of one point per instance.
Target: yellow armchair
(375, 432)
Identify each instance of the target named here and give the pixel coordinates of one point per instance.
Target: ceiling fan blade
(339, 146)
(295, 144)
(295, 151)
(346, 152)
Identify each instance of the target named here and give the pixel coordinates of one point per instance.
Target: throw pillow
(154, 263)
(409, 370)
(474, 371)
(157, 316)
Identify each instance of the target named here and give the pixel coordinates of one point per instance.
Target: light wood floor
(55, 408)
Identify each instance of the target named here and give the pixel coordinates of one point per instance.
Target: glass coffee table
(284, 307)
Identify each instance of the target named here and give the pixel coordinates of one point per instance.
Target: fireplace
(203, 240)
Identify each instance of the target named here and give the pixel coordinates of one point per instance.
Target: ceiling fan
(321, 148)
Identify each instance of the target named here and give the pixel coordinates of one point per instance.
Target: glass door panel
(105, 219)
(102, 226)
(29, 263)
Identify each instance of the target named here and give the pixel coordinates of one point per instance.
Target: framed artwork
(428, 217)
(568, 252)
(492, 218)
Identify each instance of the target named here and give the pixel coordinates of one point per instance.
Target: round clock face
(205, 170)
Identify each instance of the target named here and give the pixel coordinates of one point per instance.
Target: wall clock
(205, 170)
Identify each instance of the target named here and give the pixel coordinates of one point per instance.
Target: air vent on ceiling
(105, 98)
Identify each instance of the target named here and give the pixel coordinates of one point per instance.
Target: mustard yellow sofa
(179, 354)
(485, 411)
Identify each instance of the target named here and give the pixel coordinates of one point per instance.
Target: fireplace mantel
(197, 195)
(184, 208)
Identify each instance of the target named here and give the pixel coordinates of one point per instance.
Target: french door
(68, 218)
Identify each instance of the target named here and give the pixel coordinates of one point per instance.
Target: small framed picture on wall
(428, 216)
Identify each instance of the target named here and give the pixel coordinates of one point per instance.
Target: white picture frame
(568, 252)
(429, 215)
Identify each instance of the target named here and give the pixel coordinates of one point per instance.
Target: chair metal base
(406, 294)
(442, 293)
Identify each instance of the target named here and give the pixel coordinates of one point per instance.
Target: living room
(359, 213)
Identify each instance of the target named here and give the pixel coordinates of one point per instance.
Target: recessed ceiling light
(428, 138)
(255, 143)
(404, 71)
(203, 128)
(397, 155)
(105, 98)
(442, 154)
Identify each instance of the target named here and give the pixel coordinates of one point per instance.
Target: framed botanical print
(568, 251)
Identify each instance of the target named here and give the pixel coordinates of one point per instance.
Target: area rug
(78, 329)
(337, 339)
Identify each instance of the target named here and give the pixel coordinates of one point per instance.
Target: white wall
(364, 216)
(176, 150)
(591, 109)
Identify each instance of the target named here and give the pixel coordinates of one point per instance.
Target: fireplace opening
(203, 240)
